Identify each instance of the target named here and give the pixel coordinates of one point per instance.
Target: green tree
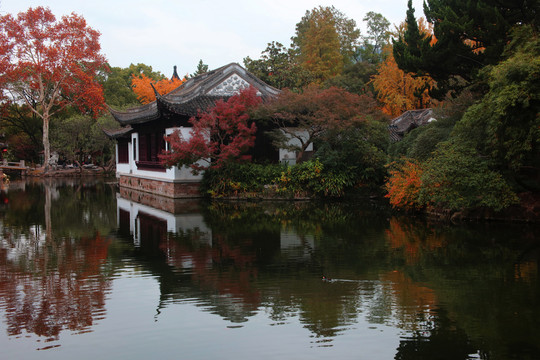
(201, 69)
(470, 35)
(279, 68)
(325, 41)
(117, 87)
(378, 29)
(505, 124)
(458, 178)
(22, 131)
(79, 138)
(355, 78)
(359, 151)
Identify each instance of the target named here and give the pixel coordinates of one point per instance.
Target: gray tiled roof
(407, 121)
(118, 133)
(197, 93)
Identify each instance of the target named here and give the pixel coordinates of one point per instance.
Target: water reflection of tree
(244, 262)
(443, 341)
(434, 282)
(226, 270)
(51, 275)
(62, 287)
(464, 265)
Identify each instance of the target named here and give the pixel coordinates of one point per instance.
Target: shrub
(458, 178)
(404, 184)
(235, 179)
(308, 179)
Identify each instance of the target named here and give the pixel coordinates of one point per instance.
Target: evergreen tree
(470, 35)
(201, 69)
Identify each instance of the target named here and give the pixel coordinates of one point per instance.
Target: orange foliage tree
(404, 185)
(142, 86)
(399, 91)
(48, 65)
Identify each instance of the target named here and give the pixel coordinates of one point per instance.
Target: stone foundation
(170, 205)
(175, 190)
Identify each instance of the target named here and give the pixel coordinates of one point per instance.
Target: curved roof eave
(118, 133)
(136, 115)
(193, 95)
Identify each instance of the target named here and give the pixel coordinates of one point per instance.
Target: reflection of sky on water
(191, 285)
(183, 330)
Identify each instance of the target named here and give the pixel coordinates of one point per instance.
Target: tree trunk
(300, 153)
(46, 144)
(48, 205)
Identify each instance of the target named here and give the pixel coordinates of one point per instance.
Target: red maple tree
(49, 64)
(301, 118)
(218, 136)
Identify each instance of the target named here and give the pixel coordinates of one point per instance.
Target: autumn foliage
(404, 185)
(142, 86)
(218, 136)
(398, 90)
(49, 64)
(67, 298)
(315, 113)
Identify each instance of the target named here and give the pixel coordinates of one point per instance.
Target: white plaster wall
(123, 168)
(171, 174)
(176, 223)
(289, 157)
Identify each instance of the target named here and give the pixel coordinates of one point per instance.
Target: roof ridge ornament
(155, 91)
(175, 74)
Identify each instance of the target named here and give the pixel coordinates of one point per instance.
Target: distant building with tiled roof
(408, 121)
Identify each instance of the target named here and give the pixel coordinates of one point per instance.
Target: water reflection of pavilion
(192, 264)
(218, 269)
(143, 219)
(233, 262)
(149, 215)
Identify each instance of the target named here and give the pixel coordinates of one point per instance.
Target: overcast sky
(164, 33)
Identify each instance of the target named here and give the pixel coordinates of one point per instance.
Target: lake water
(91, 272)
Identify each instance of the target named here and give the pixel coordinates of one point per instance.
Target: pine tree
(201, 69)
(470, 35)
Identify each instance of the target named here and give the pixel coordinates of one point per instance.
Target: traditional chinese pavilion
(140, 139)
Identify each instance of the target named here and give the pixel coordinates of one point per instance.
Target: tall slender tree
(377, 38)
(49, 64)
(325, 41)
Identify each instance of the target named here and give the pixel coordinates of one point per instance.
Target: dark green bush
(308, 179)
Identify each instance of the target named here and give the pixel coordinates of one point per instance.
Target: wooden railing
(11, 164)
